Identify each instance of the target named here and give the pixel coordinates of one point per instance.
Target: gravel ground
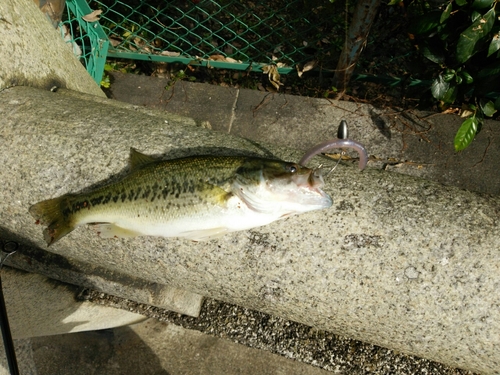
(292, 340)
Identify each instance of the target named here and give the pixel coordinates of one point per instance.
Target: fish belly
(202, 224)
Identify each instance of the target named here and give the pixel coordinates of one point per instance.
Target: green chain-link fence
(87, 39)
(226, 34)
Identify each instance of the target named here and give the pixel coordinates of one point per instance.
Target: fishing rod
(8, 248)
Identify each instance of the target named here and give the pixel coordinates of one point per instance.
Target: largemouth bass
(198, 198)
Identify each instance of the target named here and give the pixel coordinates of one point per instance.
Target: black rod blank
(4, 323)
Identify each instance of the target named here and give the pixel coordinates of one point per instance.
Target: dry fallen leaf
(465, 111)
(217, 58)
(92, 17)
(115, 40)
(139, 42)
(299, 71)
(223, 58)
(274, 76)
(231, 60)
(308, 66)
(206, 124)
(170, 53)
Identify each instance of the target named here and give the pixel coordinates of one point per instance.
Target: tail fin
(50, 213)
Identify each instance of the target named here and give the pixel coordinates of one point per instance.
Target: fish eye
(292, 168)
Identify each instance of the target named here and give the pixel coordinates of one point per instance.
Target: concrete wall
(397, 261)
(34, 53)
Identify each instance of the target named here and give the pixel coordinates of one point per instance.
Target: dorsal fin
(138, 159)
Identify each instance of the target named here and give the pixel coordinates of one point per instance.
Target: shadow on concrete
(96, 352)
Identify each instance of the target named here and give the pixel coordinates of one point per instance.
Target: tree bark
(359, 28)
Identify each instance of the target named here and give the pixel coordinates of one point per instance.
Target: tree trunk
(359, 28)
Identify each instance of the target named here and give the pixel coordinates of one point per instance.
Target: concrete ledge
(89, 275)
(35, 54)
(152, 347)
(39, 306)
(397, 261)
(408, 142)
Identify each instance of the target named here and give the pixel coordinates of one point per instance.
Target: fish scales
(197, 197)
(157, 191)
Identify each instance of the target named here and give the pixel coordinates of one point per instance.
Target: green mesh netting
(228, 34)
(87, 39)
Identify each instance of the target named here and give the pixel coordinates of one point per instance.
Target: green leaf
(450, 95)
(469, 38)
(494, 45)
(392, 2)
(475, 15)
(466, 133)
(105, 82)
(497, 103)
(487, 79)
(448, 76)
(467, 77)
(488, 108)
(425, 23)
(461, 3)
(433, 52)
(481, 4)
(446, 13)
(443, 90)
(490, 72)
(439, 87)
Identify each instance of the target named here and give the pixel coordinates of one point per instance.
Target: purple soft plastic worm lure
(337, 143)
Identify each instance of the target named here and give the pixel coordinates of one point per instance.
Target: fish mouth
(312, 182)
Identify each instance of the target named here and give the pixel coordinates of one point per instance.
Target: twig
(4, 20)
(262, 103)
(484, 154)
